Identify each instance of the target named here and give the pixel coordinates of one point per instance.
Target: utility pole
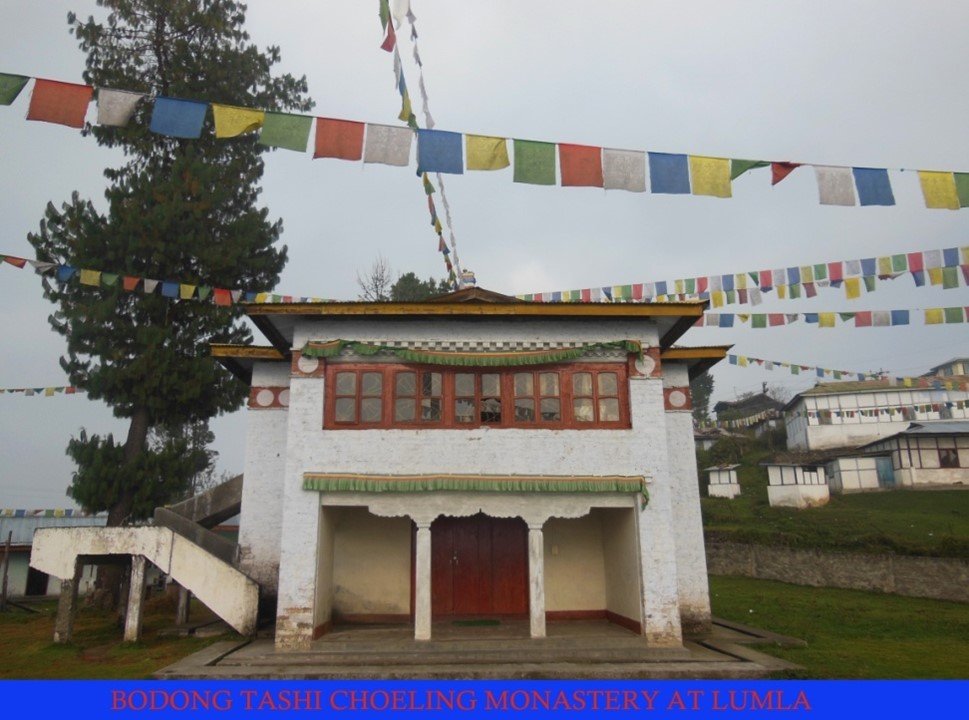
(6, 563)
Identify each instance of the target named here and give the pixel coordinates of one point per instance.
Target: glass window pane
(582, 383)
(608, 409)
(490, 410)
(464, 384)
(491, 384)
(549, 383)
(464, 411)
(371, 410)
(431, 409)
(608, 384)
(346, 383)
(551, 410)
(583, 410)
(431, 384)
(406, 384)
(524, 410)
(524, 384)
(404, 410)
(345, 410)
(372, 384)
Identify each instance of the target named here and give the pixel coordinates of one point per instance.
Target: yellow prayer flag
(231, 121)
(743, 317)
(437, 226)
(740, 281)
(717, 297)
(935, 276)
(884, 266)
(679, 286)
(965, 255)
(91, 277)
(807, 274)
(711, 176)
(907, 382)
(186, 292)
(49, 392)
(782, 291)
(262, 297)
(934, 316)
(826, 320)
(486, 153)
(939, 190)
(742, 360)
(852, 288)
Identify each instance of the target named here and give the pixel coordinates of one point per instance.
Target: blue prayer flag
(793, 276)
(732, 359)
(249, 296)
(607, 291)
(820, 372)
(868, 267)
(178, 118)
(899, 317)
(169, 289)
(726, 319)
(950, 257)
(919, 277)
(556, 297)
(726, 282)
(873, 185)
(661, 288)
(65, 273)
(439, 151)
(669, 173)
(810, 317)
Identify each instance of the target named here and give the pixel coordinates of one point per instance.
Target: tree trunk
(108, 584)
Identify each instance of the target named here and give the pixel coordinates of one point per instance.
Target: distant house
(723, 481)
(928, 454)
(953, 368)
(757, 413)
(856, 473)
(849, 414)
(797, 485)
(23, 580)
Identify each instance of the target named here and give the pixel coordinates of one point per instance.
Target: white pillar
(136, 594)
(422, 580)
(536, 581)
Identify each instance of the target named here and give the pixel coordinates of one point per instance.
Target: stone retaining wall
(930, 577)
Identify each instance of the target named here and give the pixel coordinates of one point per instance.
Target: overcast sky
(878, 84)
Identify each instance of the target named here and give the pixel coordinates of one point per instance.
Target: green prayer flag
(534, 162)
(204, 291)
(821, 272)
(428, 185)
(626, 292)
(739, 167)
(899, 263)
(794, 291)
(10, 87)
(755, 276)
(869, 283)
(384, 13)
(962, 188)
(284, 130)
(758, 320)
(845, 317)
(690, 285)
(731, 296)
(109, 279)
(950, 278)
(795, 370)
(953, 314)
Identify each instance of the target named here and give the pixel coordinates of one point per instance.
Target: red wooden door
(479, 566)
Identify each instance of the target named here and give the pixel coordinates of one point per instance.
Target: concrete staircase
(180, 544)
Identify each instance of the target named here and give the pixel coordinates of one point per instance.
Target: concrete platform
(588, 649)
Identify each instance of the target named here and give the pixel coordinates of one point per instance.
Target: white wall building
(849, 414)
(928, 454)
(722, 481)
(473, 456)
(797, 486)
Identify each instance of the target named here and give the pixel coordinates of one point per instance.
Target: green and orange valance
(349, 482)
(543, 356)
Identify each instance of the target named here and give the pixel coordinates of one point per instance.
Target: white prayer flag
(115, 107)
(836, 185)
(388, 145)
(624, 170)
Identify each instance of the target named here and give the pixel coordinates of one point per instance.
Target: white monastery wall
(853, 474)
(621, 561)
(574, 569)
(691, 559)
(260, 521)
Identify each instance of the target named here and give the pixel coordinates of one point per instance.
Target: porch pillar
(67, 606)
(536, 580)
(184, 601)
(136, 596)
(422, 581)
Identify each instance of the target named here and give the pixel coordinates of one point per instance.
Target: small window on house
(948, 458)
(345, 407)
(583, 402)
(524, 397)
(608, 391)
(432, 385)
(824, 417)
(550, 402)
(371, 397)
(490, 409)
(405, 397)
(464, 398)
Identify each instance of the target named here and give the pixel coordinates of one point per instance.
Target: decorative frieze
(268, 398)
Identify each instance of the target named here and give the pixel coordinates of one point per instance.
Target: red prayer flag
(638, 291)
(915, 261)
(59, 102)
(965, 273)
(341, 139)
(587, 295)
(809, 290)
(15, 261)
(780, 170)
(221, 296)
(766, 279)
(70, 390)
(129, 282)
(390, 40)
(835, 273)
(775, 319)
(863, 318)
(701, 284)
(742, 297)
(581, 165)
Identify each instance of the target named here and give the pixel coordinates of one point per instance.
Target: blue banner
(375, 700)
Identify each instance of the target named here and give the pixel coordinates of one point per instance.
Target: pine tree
(176, 209)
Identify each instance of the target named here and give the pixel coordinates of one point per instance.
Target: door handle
(454, 559)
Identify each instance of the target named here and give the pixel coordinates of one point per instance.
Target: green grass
(909, 522)
(851, 634)
(97, 650)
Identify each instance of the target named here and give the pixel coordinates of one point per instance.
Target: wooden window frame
(507, 385)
